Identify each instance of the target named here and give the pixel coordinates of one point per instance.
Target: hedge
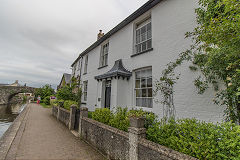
(196, 138)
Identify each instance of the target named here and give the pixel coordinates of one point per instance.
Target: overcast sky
(39, 39)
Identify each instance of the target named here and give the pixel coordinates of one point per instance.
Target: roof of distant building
(67, 77)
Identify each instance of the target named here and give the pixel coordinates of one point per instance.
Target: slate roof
(67, 77)
(116, 71)
(144, 8)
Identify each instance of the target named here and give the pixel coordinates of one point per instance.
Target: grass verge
(44, 105)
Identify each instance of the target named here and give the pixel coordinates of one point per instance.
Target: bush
(53, 102)
(102, 115)
(198, 139)
(120, 119)
(90, 114)
(46, 100)
(60, 103)
(67, 104)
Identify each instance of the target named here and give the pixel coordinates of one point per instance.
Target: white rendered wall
(171, 19)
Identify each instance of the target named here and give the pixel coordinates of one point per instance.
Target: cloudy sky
(39, 39)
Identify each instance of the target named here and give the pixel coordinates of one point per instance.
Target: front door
(107, 94)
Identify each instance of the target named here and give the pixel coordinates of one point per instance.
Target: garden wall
(117, 144)
(110, 141)
(61, 114)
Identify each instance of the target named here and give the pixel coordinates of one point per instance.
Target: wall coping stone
(165, 150)
(83, 109)
(63, 109)
(107, 127)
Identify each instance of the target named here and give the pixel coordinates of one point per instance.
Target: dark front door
(108, 94)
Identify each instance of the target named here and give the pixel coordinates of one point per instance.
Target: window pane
(138, 48)
(149, 44)
(143, 83)
(138, 32)
(144, 46)
(144, 102)
(138, 39)
(138, 93)
(148, 26)
(149, 102)
(137, 74)
(138, 102)
(143, 29)
(143, 37)
(149, 82)
(149, 34)
(144, 92)
(150, 92)
(137, 83)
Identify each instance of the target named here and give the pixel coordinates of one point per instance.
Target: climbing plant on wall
(216, 52)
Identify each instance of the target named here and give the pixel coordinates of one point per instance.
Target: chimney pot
(100, 34)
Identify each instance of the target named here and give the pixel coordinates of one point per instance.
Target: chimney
(100, 34)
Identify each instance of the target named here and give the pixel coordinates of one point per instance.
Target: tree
(44, 91)
(216, 50)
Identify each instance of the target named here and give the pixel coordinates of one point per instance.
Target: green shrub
(60, 103)
(198, 139)
(46, 100)
(102, 115)
(67, 104)
(120, 119)
(53, 102)
(90, 114)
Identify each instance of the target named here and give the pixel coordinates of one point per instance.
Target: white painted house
(120, 68)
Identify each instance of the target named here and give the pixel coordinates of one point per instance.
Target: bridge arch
(7, 92)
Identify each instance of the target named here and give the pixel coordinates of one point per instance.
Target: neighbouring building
(120, 68)
(66, 79)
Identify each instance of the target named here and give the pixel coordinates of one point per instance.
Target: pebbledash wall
(117, 144)
(170, 19)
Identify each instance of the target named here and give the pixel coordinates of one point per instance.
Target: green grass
(44, 105)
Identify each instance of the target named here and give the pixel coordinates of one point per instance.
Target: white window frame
(104, 55)
(85, 64)
(85, 87)
(148, 89)
(143, 40)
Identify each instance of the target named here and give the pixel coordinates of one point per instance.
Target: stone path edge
(9, 136)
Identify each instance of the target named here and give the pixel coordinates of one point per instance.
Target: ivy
(216, 52)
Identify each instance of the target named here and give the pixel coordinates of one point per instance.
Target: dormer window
(143, 36)
(104, 55)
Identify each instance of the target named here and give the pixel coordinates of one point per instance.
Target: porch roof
(117, 71)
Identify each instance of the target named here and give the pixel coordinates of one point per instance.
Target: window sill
(142, 52)
(102, 67)
(84, 73)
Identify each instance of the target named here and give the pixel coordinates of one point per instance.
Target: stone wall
(54, 111)
(61, 114)
(117, 144)
(110, 141)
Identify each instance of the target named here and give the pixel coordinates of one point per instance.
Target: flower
(229, 84)
(229, 78)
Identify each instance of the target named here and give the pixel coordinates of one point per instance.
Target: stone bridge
(7, 92)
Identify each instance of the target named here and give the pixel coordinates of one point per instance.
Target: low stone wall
(117, 144)
(61, 114)
(54, 111)
(110, 141)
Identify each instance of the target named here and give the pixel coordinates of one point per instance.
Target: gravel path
(46, 138)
